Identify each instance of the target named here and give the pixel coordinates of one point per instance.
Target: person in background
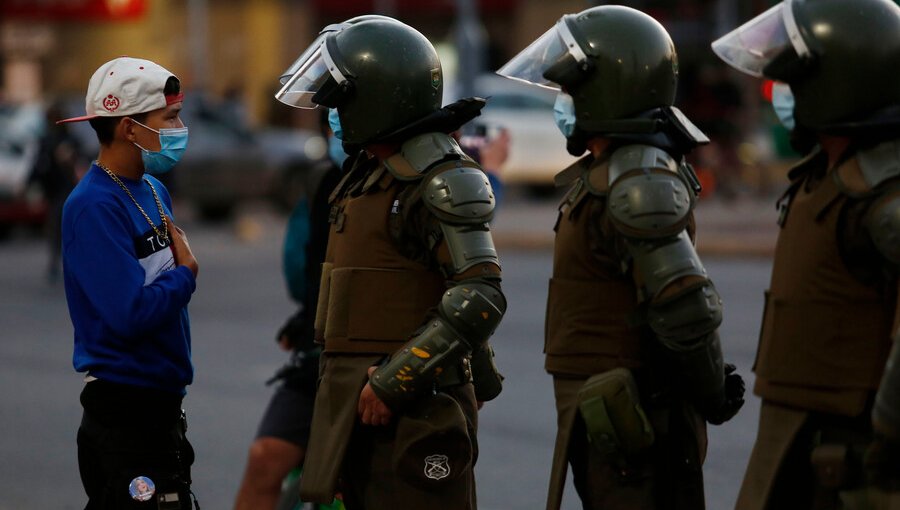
(59, 165)
(129, 275)
(828, 364)
(283, 433)
(632, 315)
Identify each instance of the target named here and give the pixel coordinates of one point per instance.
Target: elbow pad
(467, 316)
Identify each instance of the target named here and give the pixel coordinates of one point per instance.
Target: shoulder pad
(420, 153)
(652, 202)
(883, 224)
(880, 163)
(639, 157)
(460, 193)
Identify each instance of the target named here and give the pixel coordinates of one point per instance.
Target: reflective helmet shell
(633, 66)
(395, 77)
(856, 58)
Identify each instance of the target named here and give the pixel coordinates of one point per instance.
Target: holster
(615, 421)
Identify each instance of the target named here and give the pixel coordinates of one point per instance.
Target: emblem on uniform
(436, 77)
(111, 103)
(141, 488)
(437, 467)
(395, 208)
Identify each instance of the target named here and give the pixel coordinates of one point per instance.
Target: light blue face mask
(336, 151)
(334, 122)
(783, 103)
(564, 114)
(172, 144)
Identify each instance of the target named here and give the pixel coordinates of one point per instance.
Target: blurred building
(50, 47)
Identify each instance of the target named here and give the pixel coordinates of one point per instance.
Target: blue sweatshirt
(127, 299)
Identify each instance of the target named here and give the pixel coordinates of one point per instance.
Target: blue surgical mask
(564, 114)
(334, 122)
(336, 151)
(172, 143)
(783, 103)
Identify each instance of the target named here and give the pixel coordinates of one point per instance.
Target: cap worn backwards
(126, 86)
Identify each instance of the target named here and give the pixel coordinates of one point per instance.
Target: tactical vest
(372, 297)
(592, 304)
(825, 335)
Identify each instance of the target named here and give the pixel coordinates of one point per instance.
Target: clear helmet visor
(309, 77)
(755, 44)
(304, 57)
(531, 63)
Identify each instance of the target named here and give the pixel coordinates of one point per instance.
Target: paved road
(239, 304)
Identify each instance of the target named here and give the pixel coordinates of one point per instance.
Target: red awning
(73, 10)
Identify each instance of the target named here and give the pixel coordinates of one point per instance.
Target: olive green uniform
(830, 313)
(596, 321)
(390, 260)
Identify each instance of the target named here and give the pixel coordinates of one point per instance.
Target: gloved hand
(734, 399)
(292, 333)
(882, 462)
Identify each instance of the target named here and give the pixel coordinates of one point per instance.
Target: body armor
(825, 333)
(424, 326)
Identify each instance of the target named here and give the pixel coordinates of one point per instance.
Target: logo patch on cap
(111, 103)
(437, 467)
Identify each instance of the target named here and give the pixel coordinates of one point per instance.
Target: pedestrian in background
(410, 285)
(129, 274)
(829, 429)
(632, 316)
(281, 440)
(57, 170)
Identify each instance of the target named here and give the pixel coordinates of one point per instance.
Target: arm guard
(466, 316)
(883, 225)
(462, 200)
(886, 413)
(650, 200)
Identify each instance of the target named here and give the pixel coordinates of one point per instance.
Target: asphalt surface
(241, 301)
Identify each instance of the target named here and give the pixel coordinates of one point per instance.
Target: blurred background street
(241, 301)
(244, 171)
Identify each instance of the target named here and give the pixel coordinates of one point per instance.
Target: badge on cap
(141, 488)
(437, 467)
(111, 103)
(436, 78)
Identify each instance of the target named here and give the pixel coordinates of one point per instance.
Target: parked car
(537, 148)
(21, 202)
(227, 162)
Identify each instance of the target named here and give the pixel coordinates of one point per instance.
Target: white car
(537, 148)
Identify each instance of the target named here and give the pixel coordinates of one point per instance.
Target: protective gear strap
(466, 317)
(486, 377)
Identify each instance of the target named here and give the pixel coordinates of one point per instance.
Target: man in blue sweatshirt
(129, 275)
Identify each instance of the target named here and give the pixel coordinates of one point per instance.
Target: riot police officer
(830, 421)
(632, 315)
(410, 287)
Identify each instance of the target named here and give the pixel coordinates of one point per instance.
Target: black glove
(734, 398)
(294, 330)
(882, 463)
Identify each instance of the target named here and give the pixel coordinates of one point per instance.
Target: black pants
(129, 432)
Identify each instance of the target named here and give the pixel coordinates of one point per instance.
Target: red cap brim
(77, 119)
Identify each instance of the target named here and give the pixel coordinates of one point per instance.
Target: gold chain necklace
(165, 233)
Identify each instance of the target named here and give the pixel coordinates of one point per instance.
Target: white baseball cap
(126, 86)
